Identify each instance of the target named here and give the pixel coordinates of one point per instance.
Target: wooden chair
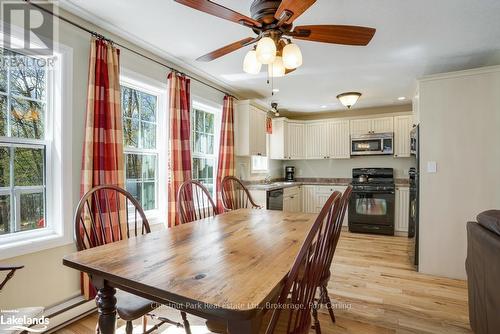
(235, 195)
(21, 313)
(301, 283)
(324, 299)
(194, 202)
(106, 214)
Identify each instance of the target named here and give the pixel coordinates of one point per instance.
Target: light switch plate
(431, 167)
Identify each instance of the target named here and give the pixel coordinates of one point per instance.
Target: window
(259, 164)
(140, 114)
(204, 146)
(24, 84)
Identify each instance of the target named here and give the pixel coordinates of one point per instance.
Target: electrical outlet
(431, 167)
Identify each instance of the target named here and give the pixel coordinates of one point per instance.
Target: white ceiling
(413, 38)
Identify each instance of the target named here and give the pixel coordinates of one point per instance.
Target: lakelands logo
(12, 320)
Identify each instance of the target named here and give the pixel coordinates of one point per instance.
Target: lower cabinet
(292, 199)
(314, 197)
(259, 197)
(401, 215)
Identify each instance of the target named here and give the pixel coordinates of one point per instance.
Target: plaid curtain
(179, 164)
(102, 160)
(226, 147)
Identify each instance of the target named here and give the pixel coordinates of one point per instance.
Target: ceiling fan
(272, 22)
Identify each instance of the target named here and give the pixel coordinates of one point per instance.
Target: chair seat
(219, 327)
(131, 307)
(28, 312)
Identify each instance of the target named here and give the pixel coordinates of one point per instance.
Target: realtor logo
(30, 320)
(37, 23)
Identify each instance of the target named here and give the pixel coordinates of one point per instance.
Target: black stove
(371, 208)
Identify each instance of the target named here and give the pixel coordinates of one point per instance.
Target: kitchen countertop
(309, 181)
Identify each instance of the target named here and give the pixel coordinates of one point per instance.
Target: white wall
(342, 168)
(460, 130)
(45, 281)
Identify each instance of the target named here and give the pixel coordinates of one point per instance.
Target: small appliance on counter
(289, 173)
(371, 207)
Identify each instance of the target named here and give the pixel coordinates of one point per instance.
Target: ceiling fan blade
(335, 34)
(289, 71)
(215, 9)
(294, 7)
(227, 49)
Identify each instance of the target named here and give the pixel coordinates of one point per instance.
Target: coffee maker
(289, 172)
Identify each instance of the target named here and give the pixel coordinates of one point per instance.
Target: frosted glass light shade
(349, 99)
(250, 64)
(276, 69)
(266, 50)
(292, 57)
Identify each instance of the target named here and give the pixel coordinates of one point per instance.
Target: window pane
(32, 211)
(148, 167)
(4, 214)
(198, 122)
(130, 103)
(4, 166)
(196, 168)
(134, 188)
(3, 115)
(28, 166)
(3, 70)
(148, 198)
(210, 144)
(148, 135)
(131, 132)
(133, 166)
(27, 77)
(148, 105)
(209, 123)
(27, 119)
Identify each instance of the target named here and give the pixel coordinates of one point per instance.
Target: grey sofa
(483, 272)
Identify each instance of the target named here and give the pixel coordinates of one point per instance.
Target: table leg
(106, 306)
(251, 326)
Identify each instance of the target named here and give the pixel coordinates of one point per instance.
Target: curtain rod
(74, 24)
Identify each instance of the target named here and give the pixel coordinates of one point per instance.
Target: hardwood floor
(375, 290)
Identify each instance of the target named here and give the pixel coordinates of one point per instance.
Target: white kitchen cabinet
(372, 125)
(402, 128)
(316, 140)
(259, 197)
(292, 199)
(295, 141)
(308, 198)
(402, 209)
(339, 143)
(383, 124)
(249, 129)
(287, 140)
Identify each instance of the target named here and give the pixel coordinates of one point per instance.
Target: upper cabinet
(372, 125)
(249, 129)
(331, 138)
(402, 128)
(287, 140)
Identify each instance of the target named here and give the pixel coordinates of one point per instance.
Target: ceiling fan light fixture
(250, 64)
(292, 56)
(276, 69)
(266, 50)
(349, 99)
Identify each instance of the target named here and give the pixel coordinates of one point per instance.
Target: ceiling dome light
(266, 50)
(349, 99)
(292, 57)
(276, 69)
(250, 64)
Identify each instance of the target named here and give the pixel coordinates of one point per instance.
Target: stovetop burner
(373, 178)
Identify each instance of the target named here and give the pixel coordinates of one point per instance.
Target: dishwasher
(275, 199)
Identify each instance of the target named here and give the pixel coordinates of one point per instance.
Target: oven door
(372, 207)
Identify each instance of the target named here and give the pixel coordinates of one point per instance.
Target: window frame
(205, 105)
(58, 143)
(150, 86)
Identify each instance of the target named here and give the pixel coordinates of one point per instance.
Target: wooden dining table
(227, 268)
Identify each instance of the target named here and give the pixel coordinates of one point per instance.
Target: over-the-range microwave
(373, 144)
